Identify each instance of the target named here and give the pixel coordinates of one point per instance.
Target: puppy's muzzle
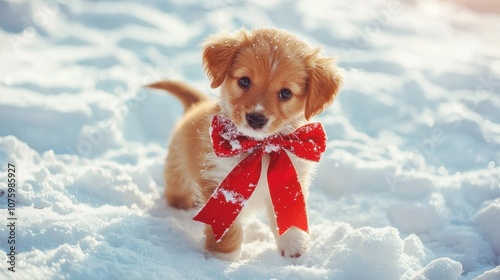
(256, 120)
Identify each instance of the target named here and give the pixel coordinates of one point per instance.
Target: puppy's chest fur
(220, 167)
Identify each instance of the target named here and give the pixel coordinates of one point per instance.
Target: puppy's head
(271, 82)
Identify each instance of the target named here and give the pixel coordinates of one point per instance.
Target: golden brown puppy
(270, 83)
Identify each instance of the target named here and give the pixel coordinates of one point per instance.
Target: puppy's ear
(322, 85)
(219, 51)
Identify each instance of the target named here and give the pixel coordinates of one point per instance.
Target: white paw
(293, 243)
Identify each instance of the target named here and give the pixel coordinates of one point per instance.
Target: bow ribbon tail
(225, 204)
(286, 194)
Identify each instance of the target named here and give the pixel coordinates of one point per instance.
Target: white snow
(409, 187)
(232, 197)
(269, 148)
(235, 145)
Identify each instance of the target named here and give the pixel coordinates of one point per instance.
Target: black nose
(256, 120)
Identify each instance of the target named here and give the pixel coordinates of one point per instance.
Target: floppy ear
(219, 51)
(322, 85)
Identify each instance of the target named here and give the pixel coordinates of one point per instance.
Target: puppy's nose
(256, 120)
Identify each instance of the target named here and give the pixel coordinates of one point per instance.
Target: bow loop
(307, 142)
(227, 140)
(227, 201)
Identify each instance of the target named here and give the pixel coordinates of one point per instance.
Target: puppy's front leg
(229, 246)
(293, 243)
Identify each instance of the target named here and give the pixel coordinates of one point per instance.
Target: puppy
(271, 83)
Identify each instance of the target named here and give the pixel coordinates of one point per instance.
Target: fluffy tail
(186, 94)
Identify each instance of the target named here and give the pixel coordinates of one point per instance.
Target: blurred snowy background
(409, 187)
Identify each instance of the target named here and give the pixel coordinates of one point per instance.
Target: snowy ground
(408, 189)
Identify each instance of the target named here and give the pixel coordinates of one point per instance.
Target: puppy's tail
(186, 94)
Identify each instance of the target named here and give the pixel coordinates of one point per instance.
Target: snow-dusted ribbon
(222, 208)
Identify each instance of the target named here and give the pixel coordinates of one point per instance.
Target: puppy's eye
(285, 94)
(244, 82)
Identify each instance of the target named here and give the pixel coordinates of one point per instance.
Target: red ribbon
(222, 208)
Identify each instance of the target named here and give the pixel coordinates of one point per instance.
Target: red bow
(220, 211)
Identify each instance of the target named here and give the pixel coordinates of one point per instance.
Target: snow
(232, 197)
(235, 145)
(409, 187)
(269, 148)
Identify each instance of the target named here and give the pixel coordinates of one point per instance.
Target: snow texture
(232, 197)
(409, 187)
